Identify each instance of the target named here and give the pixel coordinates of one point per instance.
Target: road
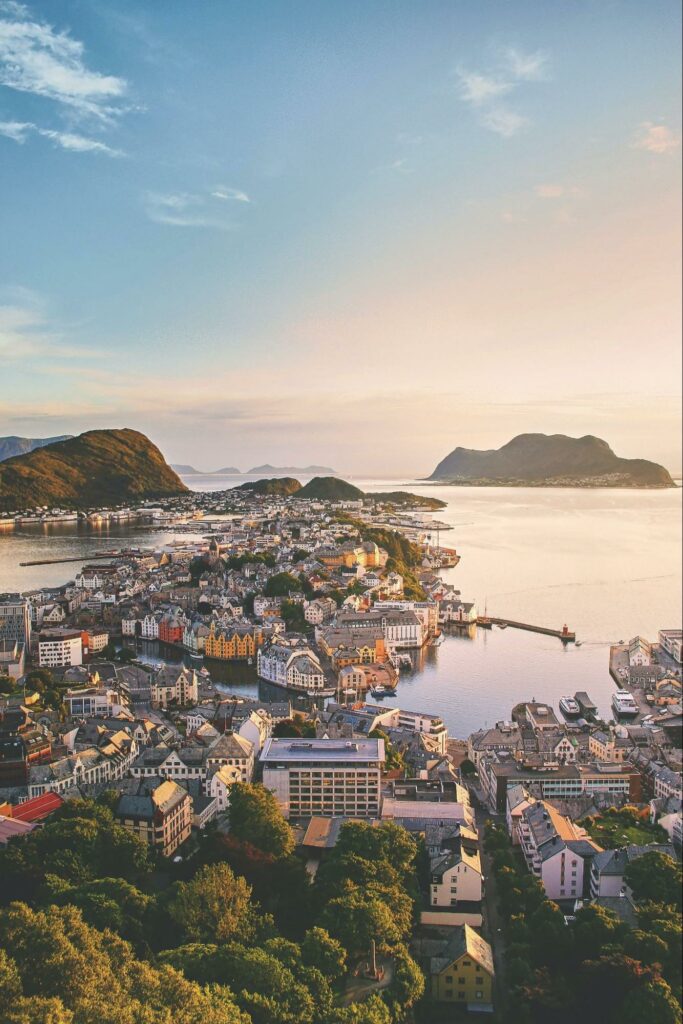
(492, 922)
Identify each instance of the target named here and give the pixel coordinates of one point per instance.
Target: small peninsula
(549, 460)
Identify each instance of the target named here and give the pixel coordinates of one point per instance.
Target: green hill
(330, 488)
(100, 467)
(277, 486)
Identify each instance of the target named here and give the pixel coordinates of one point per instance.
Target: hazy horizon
(351, 235)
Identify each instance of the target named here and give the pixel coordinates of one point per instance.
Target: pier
(86, 557)
(564, 634)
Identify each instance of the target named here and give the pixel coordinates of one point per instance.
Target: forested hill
(100, 467)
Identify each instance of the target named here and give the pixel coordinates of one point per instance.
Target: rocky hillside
(100, 467)
(550, 460)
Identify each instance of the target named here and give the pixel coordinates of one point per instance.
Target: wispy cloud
(195, 210)
(19, 131)
(225, 193)
(526, 67)
(656, 138)
(25, 332)
(504, 121)
(477, 88)
(483, 90)
(36, 58)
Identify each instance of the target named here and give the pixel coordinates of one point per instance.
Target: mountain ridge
(14, 445)
(550, 460)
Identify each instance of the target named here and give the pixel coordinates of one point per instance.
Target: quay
(564, 634)
(86, 558)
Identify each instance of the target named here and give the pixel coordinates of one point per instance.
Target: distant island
(331, 488)
(184, 470)
(549, 460)
(99, 467)
(290, 470)
(13, 445)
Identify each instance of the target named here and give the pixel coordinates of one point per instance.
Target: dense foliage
(594, 968)
(94, 931)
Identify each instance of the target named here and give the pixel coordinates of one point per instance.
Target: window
(461, 981)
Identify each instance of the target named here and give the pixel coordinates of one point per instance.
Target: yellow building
(233, 644)
(366, 554)
(463, 972)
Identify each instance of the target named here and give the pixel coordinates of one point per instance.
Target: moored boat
(569, 707)
(623, 703)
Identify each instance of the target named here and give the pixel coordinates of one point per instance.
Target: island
(291, 470)
(98, 467)
(549, 460)
(332, 488)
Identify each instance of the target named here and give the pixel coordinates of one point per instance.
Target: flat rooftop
(296, 750)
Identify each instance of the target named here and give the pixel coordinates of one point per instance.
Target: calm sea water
(606, 562)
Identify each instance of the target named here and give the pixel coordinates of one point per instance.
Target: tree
(320, 950)
(96, 978)
(408, 984)
(281, 584)
(654, 1002)
(256, 818)
(372, 1011)
(214, 906)
(656, 877)
(81, 842)
(468, 768)
(355, 919)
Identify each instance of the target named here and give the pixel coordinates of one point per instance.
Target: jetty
(564, 634)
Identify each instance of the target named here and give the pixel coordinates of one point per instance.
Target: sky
(349, 233)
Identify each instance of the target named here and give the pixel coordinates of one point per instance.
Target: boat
(623, 703)
(577, 643)
(483, 620)
(569, 707)
(502, 625)
(379, 691)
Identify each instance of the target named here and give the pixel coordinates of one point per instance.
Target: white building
(95, 701)
(256, 729)
(220, 784)
(58, 648)
(558, 852)
(290, 663)
(149, 626)
(639, 652)
(324, 778)
(672, 640)
(173, 684)
(456, 878)
(320, 610)
(232, 751)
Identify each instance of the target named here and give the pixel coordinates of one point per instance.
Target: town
(576, 819)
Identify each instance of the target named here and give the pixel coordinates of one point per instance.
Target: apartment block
(324, 777)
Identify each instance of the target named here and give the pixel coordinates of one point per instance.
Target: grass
(616, 828)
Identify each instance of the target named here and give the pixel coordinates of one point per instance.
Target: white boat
(502, 625)
(569, 707)
(623, 703)
(379, 691)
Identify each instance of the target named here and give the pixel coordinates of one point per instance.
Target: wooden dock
(564, 634)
